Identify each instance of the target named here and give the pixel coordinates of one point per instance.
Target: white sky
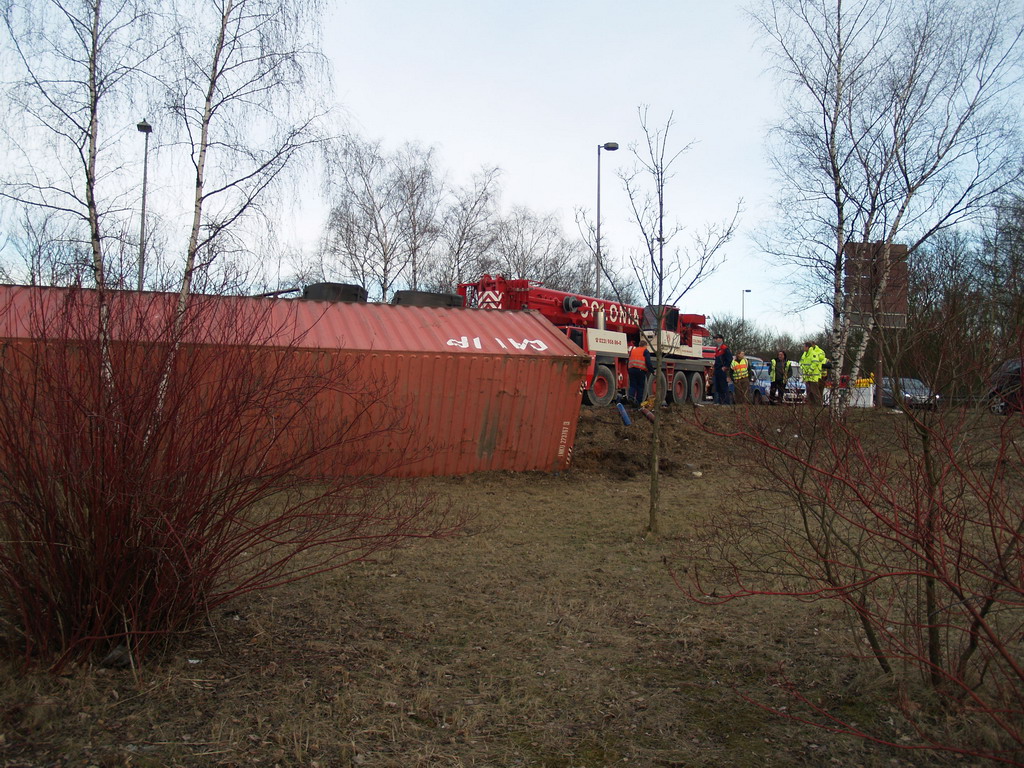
(534, 86)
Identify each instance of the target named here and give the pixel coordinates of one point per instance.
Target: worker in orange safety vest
(640, 365)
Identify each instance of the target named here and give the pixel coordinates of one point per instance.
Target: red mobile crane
(606, 330)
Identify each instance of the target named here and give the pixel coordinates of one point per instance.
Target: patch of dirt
(552, 635)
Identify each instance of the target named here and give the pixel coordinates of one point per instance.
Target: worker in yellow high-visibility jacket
(812, 365)
(741, 378)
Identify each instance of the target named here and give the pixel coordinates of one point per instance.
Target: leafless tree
(531, 245)
(50, 249)
(466, 234)
(421, 191)
(900, 122)
(617, 283)
(1000, 272)
(741, 333)
(384, 216)
(244, 74)
(665, 272)
(75, 63)
(396, 222)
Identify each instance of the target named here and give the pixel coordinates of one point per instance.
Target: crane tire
(657, 387)
(680, 388)
(602, 389)
(697, 387)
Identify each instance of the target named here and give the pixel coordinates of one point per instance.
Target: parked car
(1005, 390)
(910, 393)
(760, 384)
(796, 389)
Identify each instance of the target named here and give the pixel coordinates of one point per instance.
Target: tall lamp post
(145, 129)
(743, 309)
(610, 146)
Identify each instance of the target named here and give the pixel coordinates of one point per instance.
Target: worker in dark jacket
(640, 365)
(723, 365)
(779, 373)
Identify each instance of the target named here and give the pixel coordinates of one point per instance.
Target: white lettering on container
(563, 438)
(464, 342)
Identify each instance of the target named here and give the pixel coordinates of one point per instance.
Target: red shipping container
(475, 390)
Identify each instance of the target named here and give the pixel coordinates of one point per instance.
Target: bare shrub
(913, 524)
(151, 477)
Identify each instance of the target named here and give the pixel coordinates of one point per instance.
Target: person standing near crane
(779, 374)
(741, 378)
(723, 367)
(640, 365)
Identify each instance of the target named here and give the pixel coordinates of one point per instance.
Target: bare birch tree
(665, 272)
(242, 91)
(75, 62)
(900, 122)
(384, 218)
(466, 233)
(421, 191)
(532, 245)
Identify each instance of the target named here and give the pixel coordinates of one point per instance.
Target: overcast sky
(534, 86)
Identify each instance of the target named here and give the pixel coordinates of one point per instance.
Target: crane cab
(679, 334)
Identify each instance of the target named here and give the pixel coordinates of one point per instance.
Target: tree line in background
(964, 281)
(397, 222)
(900, 123)
(863, 154)
(232, 88)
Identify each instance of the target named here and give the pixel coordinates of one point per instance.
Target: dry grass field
(552, 634)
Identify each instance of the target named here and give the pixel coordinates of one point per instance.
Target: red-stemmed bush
(154, 465)
(914, 522)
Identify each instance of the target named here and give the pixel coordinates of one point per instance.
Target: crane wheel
(657, 388)
(696, 387)
(602, 389)
(680, 387)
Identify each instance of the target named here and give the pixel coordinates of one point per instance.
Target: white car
(796, 389)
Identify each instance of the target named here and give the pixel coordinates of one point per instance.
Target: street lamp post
(145, 129)
(610, 146)
(743, 309)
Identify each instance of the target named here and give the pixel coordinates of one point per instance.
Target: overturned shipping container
(424, 390)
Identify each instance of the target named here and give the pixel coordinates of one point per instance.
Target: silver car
(909, 393)
(796, 389)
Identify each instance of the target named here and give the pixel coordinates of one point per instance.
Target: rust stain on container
(475, 390)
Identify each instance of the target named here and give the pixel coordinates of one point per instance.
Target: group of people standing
(813, 368)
